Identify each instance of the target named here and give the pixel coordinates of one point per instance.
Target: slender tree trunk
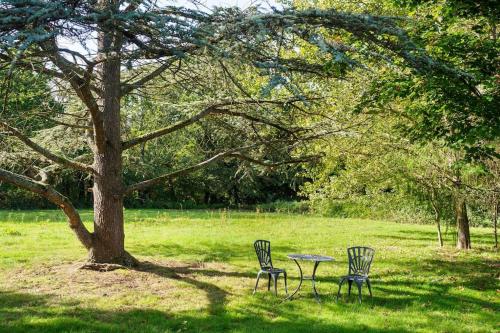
(496, 208)
(463, 233)
(437, 217)
(440, 235)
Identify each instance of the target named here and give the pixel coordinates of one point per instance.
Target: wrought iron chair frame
(263, 251)
(360, 260)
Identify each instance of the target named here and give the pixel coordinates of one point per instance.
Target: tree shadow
(401, 294)
(473, 273)
(187, 273)
(431, 236)
(22, 313)
(209, 252)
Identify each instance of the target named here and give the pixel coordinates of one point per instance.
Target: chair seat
(273, 270)
(355, 277)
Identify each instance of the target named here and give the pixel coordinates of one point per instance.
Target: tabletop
(311, 257)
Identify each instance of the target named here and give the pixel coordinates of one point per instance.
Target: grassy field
(199, 270)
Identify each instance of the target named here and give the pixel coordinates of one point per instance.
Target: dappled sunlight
(198, 276)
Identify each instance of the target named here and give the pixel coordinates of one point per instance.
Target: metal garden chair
(360, 260)
(263, 251)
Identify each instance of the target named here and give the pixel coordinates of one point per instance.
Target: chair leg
(275, 282)
(369, 286)
(257, 283)
(286, 287)
(340, 286)
(269, 282)
(350, 285)
(359, 283)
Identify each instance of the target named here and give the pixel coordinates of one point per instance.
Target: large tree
(103, 51)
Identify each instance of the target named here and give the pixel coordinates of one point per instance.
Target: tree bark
(109, 236)
(463, 233)
(75, 222)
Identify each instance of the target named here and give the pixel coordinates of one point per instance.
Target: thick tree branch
(80, 82)
(75, 222)
(45, 152)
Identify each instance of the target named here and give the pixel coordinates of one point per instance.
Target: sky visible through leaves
(207, 5)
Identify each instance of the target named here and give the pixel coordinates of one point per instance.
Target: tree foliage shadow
(208, 252)
(431, 236)
(187, 273)
(473, 273)
(21, 313)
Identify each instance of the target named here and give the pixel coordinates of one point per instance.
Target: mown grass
(200, 270)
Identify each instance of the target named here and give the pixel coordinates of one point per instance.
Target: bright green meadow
(199, 268)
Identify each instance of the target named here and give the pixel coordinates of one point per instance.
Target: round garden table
(308, 257)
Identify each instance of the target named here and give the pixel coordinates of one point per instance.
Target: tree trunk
(440, 235)
(437, 217)
(463, 233)
(496, 208)
(109, 236)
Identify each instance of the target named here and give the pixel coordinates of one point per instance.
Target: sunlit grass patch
(199, 269)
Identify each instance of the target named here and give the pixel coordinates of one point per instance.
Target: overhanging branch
(303, 159)
(233, 153)
(164, 131)
(80, 82)
(127, 88)
(46, 191)
(45, 152)
(148, 183)
(213, 109)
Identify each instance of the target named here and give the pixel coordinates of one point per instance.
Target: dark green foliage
(22, 95)
(463, 111)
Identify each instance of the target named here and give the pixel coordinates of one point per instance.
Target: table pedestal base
(302, 278)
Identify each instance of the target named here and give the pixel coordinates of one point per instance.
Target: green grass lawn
(200, 270)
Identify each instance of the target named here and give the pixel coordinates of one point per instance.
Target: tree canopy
(132, 95)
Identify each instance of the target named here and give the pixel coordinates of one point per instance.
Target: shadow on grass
(475, 274)
(431, 236)
(21, 312)
(209, 252)
(216, 296)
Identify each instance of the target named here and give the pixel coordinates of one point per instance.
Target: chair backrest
(360, 260)
(263, 251)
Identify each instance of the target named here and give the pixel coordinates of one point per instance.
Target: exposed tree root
(124, 262)
(94, 266)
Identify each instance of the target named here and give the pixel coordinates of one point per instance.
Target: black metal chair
(263, 251)
(360, 260)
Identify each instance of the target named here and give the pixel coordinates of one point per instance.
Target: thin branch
(166, 130)
(45, 152)
(303, 159)
(80, 82)
(213, 109)
(255, 119)
(234, 153)
(62, 123)
(148, 183)
(126, 88)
